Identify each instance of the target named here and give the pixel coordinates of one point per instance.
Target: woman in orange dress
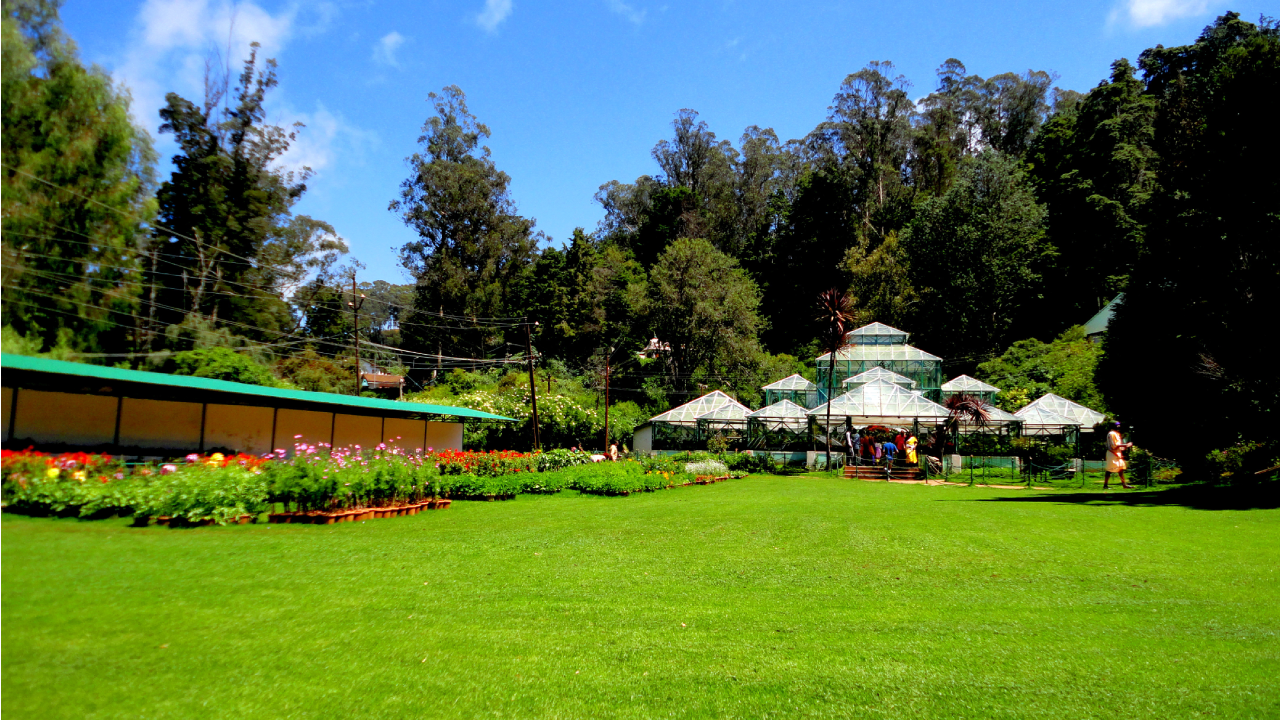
(1115, 458)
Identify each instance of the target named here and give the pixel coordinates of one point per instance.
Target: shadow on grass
(1197, 497)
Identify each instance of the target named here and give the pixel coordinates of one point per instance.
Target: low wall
(130, 426)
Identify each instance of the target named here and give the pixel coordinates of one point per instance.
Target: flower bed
(318, 484)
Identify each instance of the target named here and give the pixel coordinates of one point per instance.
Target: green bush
(220, 363)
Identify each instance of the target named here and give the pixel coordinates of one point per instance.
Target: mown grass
(802, 596)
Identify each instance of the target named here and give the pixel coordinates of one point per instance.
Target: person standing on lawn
(1115, 458)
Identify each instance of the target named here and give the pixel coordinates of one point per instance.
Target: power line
(451, 362)
(271, 293)
(248, 260)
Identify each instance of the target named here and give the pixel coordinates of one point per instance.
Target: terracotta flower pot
(443, 504)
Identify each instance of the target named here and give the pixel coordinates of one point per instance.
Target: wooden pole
(355, 304)
(533, 386)
(606, 400)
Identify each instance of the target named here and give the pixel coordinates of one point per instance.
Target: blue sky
(577, 93)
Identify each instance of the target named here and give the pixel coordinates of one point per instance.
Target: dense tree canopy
(988, 219)
(77, 187)
(1186, 338)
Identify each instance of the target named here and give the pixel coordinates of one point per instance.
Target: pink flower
(296, 437)
(168, 469)
(191, 458)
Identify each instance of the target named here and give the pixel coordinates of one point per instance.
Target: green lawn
(799, 596)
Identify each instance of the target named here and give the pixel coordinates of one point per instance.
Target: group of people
(879, 445)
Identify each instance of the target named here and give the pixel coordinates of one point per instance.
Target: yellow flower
(79, 475)
(215, 459)
(52, 473)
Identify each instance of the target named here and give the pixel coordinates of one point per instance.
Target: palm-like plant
(962, 408)
(836, 318)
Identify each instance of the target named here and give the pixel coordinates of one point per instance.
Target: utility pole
(606, 400)
(355, 311)
(533, 387)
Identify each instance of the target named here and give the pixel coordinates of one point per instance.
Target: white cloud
(325, 138)
(632, 15)
(1149, 13)
(175, 42)
(384, 52)
(495, 11)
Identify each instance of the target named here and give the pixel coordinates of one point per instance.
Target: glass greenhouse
(794, 388)
(883, 381)
(877, 333)
(969, 386)
(879, 346)
(783, 425)
(1074, 411)
(680, 428)
(1038, 420)
(880, 403)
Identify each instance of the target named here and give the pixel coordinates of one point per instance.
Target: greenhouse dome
(877, 333)
(688, 413)
(880, 403)
(878, 373)
(1040, 420)
(913, 363)
(795, 388)
(1074, 411)
(969, 386)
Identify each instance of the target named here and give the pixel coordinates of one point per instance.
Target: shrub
(714, 468)
(220, 363)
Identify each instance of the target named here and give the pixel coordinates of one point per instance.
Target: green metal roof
(1098, 323)
(99, 372)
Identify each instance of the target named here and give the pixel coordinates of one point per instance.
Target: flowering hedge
(223, 489)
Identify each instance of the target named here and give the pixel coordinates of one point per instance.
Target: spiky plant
(963, 408)
(836, 317)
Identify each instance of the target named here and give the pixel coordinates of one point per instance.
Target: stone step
(878, 473)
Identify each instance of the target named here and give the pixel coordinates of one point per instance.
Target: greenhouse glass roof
(1073, 411)
(1041, 416)
(880, 401)
(967, 384)
(688, 413)
(783, 414)
(791, 382)
(732, 411)
(876, 334)
(879, 373)
(780, 409)
(881, 352)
